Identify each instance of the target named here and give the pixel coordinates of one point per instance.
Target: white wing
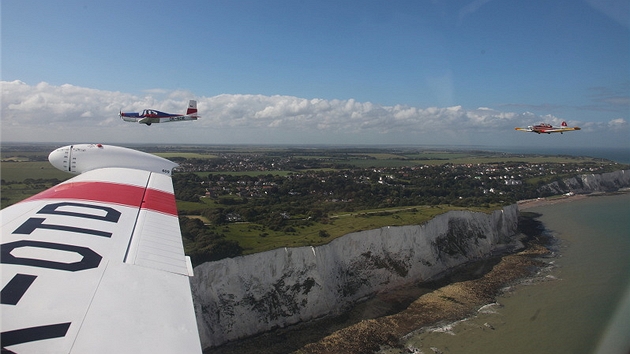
(96, 265)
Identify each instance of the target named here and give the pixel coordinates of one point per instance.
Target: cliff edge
(590, 183)
(244, 296)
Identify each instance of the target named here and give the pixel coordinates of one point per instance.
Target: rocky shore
(446, 304)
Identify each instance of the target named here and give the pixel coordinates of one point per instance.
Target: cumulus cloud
(93, 113)
(618, 123)
(348, 115)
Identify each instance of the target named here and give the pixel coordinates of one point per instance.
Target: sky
(412, 72)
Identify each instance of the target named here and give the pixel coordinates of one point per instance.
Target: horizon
(616, 154)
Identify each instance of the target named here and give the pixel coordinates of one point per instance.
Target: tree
(323, 233)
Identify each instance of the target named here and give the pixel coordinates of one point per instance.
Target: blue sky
(358, 72)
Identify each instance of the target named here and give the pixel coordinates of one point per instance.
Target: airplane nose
(60, 158)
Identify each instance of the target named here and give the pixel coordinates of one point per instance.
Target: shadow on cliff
(291, 339)
(533, 231)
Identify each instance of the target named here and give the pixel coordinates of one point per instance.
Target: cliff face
(589, 183)
(239, 297)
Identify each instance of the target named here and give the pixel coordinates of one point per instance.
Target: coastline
(570, 306)
(533, 203)
(564, 198)
(451, 302)
(446, 304)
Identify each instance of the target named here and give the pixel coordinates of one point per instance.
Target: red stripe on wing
(115, 193)
(160, 201)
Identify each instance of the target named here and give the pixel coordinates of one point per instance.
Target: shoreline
(447, 304)
(533, 203)
(564, 198)
(451, 302)
(579, 295)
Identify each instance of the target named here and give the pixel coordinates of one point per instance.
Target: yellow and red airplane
(548, 128)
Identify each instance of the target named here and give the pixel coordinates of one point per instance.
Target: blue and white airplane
(150, 116)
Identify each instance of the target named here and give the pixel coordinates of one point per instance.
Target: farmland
(244, 199)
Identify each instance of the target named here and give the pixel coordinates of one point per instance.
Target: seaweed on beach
(535, 232)
(529, 225)
(448, 303)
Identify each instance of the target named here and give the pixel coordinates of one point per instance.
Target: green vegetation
(257, 238)
(13, 192)
(282, 198)
(26, 173)
(185, 155)
(241, 200)
(19, 171)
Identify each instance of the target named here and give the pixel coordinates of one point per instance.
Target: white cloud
(70, 113)
(618, 123)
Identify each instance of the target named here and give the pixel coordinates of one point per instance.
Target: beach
(446, 304)
(538, 202)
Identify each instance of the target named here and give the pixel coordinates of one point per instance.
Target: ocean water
(621, 155)
(579, 304)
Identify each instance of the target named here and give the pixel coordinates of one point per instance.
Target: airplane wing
(96, 263)
(523, 129)
(563, 129)
(149, 120)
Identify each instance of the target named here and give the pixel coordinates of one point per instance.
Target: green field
(19, 171)
(254, 238)
(187, 155)
(14, 174)
(246, 173)
(385, 160)
(14, 193)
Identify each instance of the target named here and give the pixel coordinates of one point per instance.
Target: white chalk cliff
(589, 183)
(243, 296)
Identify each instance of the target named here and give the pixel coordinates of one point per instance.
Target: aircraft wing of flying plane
(548, 128)
(96, 264)
(150, 116)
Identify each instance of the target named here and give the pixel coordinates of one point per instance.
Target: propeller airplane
(150, 116)
(548, 128)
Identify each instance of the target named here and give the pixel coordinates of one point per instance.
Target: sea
(620, 155)
(579, 303)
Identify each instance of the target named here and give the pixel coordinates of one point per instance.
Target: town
(235, 200)
(233, 179)
(293, 198)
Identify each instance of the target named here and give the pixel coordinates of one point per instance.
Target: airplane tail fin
(192, 108)
(564, 124)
